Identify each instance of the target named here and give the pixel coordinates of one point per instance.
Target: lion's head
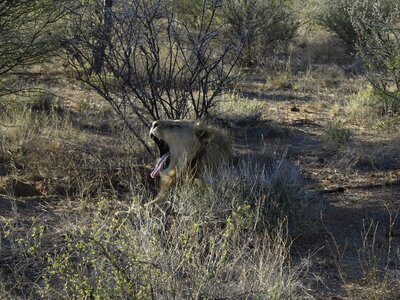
(187, 145)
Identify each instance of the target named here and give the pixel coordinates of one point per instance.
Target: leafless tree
(155, 65)
(104, 39)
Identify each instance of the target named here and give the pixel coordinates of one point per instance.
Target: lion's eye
(176, 126)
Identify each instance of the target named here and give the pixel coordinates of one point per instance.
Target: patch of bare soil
(360, 199)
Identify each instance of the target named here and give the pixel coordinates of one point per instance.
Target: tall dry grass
(229, 236)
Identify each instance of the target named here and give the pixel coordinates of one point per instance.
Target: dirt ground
(360, 200)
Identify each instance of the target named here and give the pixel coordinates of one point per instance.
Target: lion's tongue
(159, 165)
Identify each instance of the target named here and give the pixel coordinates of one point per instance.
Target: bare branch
(155, 65)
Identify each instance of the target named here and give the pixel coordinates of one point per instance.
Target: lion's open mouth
(164, 160)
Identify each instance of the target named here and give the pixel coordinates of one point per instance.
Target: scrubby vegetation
(194, 247)
(335, 136)
(263, 27)
(308, 93)
(371, 30)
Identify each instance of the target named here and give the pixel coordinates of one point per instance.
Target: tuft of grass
(374, 278)
(43, 102)
(281, 81)
(334, 76)
(364, 105)
(367, 108)
(319, 78)
(335, 135)
(269, 193)
(233, 106)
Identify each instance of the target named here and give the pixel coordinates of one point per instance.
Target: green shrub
(192, 259)
(342, 17)
(335, 16)
(379, 49)
(370, 28)
(262, 25)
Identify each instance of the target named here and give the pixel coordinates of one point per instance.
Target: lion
(187, 148)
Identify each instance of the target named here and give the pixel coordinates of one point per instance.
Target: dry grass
(180, 257)
(235, 106)
(67, 158)
(372, 276)
(224, 238)
(281, 81)
(369, 157)
(336, 135)
(363, 106)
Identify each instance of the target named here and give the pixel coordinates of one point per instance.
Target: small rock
(295, 109)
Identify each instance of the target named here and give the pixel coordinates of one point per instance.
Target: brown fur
(193, 147)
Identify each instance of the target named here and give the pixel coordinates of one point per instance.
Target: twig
(342, 189)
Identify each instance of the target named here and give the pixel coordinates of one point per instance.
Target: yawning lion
(186, 149)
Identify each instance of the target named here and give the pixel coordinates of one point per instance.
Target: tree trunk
(104, 37)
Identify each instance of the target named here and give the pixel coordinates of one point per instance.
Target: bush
(335, 16)
(379, 48)
(270, 193)
(341, 17)
(262, 25)
(29, 34)
(371, 30)
(148, 61)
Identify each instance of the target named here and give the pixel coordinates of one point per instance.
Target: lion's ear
(203, 134)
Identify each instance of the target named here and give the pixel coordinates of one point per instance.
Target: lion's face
(179, 142)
